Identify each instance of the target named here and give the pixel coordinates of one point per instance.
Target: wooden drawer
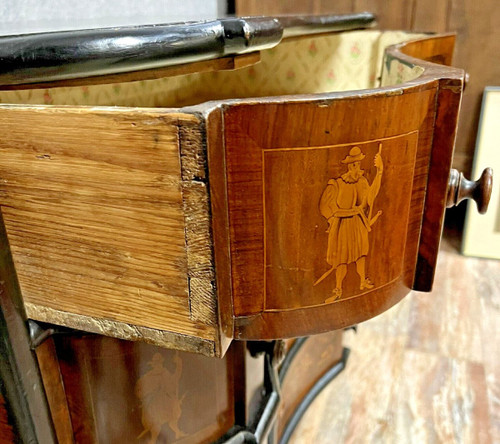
(250, 218)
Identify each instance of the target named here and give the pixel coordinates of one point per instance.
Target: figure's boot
(366, 284)
(337, 293)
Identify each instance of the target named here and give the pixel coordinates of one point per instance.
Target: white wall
(25, 16)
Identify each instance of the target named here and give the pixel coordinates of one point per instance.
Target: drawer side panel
(94, 206)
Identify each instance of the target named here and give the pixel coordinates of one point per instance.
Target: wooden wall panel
(430, 15)
(391, 14)
(272, 7)
(335, 6)
(477, 51)
(478, 42)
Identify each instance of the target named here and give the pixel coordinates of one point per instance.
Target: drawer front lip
(303, 322)
(448, 106)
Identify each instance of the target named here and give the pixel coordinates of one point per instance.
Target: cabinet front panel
(121, 391)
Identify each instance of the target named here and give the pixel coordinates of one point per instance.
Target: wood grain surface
(336, 122)
(94, 210)
(220, 224)
(438, 49)
(54, 390)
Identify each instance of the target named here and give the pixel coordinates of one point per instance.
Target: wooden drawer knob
(459, 188)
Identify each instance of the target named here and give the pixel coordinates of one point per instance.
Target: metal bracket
(263, 426)
(259, 429)
(354, 328)
(40, 331)
(276, 349)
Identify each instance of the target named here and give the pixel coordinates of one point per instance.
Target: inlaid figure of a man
(347, 203)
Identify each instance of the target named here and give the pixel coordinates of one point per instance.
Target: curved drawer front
(325, 218)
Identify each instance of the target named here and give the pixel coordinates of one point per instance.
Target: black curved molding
(311, 395)
(290, 356)
(55, 56)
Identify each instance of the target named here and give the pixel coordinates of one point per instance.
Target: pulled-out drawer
(248, 211)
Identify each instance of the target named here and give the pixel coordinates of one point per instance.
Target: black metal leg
(258, 430)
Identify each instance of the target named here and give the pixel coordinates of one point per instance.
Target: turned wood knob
(459, 188)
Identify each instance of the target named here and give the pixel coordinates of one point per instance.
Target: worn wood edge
(257, 327)
(448, 101)
(169, 115)
(443, 144)
(216, 158)
(121, 330)
(402, 52)
(222, 64)
(196, 206)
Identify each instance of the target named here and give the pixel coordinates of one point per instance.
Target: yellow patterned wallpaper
(335, 62)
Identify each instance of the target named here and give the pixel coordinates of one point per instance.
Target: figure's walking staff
(371, 198)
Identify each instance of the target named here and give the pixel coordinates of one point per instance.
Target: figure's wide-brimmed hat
(355, 155)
